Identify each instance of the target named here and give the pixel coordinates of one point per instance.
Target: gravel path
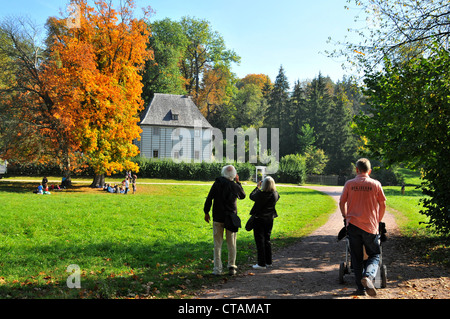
(310, 269)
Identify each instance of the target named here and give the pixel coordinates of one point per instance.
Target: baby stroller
(346, 268)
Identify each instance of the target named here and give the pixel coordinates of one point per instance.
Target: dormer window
(174, 117)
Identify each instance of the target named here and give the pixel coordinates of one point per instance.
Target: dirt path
(310, 268)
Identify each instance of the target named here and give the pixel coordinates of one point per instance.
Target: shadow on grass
(30, 187)
(17, 187)
(111, 269)
(114, 270)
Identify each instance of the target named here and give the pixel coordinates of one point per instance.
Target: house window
(156, 131)
(174, 117)
(197, 155)
(176, 155)
(155, 154)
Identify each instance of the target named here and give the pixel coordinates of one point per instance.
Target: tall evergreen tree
(300, 119)
(278, 111)
(320, 103)
(341, 145)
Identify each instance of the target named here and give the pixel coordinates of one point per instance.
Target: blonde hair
(268, 185)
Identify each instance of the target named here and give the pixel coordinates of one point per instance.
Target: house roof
(161, 109)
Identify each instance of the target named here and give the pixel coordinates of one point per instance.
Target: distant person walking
(223, 196)
(133, 183)
(265, 196)
(362, 205)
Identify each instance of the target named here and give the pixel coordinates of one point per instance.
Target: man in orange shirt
(363, 204)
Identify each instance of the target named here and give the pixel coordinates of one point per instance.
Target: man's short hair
(229, 172)
(363, 165)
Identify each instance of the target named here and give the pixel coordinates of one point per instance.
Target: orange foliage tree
(214, 90)
(261, 80)
(78, 100)
(94, 82)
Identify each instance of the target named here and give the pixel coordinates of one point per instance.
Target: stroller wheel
(341, 273)
(383, 276)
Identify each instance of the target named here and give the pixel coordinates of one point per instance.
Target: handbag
(250, 223)
(232, 222)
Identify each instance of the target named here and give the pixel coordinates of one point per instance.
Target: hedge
(292, 169)
(204, 171)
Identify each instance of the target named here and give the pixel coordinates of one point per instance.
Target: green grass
(413, 225)
(154, 244)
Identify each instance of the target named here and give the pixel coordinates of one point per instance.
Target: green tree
(315, 160)
(409, 123)
(163, 74)
(205, 47)
(300, 123)
(250, 106)
(319, 109)
(306, 138)
(396, 29)
(341, 143)
(278, 113)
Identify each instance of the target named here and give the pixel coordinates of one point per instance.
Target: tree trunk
(65, 167)
(99, 181)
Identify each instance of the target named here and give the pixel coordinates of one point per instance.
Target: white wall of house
(176, 143)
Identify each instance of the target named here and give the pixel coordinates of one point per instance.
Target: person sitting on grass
(40, 189)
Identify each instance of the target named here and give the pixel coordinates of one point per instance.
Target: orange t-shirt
(363, 195)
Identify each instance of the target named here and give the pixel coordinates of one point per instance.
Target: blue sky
(266, 34)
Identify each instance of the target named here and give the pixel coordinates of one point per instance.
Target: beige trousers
(218, 229)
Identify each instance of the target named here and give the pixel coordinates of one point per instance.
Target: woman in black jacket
(264, 210)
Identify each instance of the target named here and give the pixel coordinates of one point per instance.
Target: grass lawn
(154, 244)
(406, 209)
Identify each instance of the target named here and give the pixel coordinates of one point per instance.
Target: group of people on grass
(44, 188)
(124, 187)
(362, 205)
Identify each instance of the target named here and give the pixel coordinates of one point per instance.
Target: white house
(173, 127)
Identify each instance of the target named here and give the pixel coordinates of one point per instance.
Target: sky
(265, 34)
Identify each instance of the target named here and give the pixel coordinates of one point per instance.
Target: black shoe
(358, 292)
(232, 271)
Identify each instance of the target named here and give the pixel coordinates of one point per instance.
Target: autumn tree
(260, 80)
(28, 129)
(95, 82)
(82, 98)
(216, 90)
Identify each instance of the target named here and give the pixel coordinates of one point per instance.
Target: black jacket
(265, 202)
(225, 194)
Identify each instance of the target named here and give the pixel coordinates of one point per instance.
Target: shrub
(292, 169)
(387, 177)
